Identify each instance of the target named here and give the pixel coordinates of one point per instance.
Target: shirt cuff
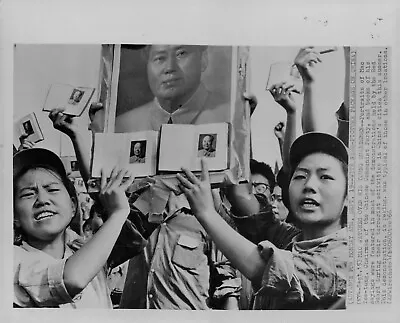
(279, 274)
(56, 283)
(229, 288)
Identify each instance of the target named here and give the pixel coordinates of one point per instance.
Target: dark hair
(87, 223)
(265, 170)
(209, 135)
(343, 217)
(145, 50)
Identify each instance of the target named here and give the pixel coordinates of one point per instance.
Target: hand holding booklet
(28, 128)
(71, 98)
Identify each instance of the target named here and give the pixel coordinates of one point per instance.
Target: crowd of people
(276, 242)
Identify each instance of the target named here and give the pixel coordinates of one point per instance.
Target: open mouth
(309, 203)
(43, 215)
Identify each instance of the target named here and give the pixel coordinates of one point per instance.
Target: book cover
(136, 151)
(285, 72)
(74, 99)
(185, 145)
(28, 127)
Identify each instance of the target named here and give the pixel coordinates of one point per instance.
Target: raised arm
(241, 252)
(24, 143)
(279, 132)
(85, 263)
(66, 124)
(257, 262)
(283, 94)
(306, 60)
(342, 114)
(252, 100)
(242, 199)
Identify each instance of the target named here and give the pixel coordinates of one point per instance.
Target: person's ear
(204, 60)
(74, 204)
(17, 223)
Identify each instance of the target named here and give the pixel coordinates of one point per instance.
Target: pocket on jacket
(188, 252)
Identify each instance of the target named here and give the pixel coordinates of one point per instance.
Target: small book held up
(74, 99)
(185, 145)
(285, 72)
(136, 151)
(28, 128)
(149, 153)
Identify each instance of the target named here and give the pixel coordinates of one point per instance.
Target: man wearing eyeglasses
(262, 178)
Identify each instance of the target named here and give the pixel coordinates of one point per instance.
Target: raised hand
(96, 116)
(112, 192)
(197, 191)
(305, 62)
(24, 143)
(279, 130)
(252, 99)
(63, 122)
(283, 94)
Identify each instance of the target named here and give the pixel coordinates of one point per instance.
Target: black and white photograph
(28, 129)
(247, 177)
(179, 84)
(206, 145)
(137, 152)
(74, 166)
(27, 132)
(72, 99)
(195, 133)
(185, 145)
(76, 96)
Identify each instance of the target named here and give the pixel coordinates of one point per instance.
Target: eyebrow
(32, 187)
(306, 170)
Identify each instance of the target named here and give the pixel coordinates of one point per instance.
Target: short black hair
(265, 170)
(145, 50)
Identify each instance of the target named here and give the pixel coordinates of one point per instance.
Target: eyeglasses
(260, 188)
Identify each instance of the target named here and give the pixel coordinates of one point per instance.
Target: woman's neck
(54, 247)
(315, 232)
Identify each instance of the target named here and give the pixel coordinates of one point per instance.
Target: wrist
(73, 135)
(291, 112)
(342, 113)
(119, 213)
(206, 214)
(308, 83)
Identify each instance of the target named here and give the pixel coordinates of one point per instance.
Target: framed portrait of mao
(145, 86)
